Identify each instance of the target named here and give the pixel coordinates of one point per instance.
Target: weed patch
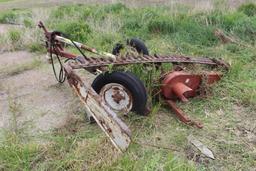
(14, 155)
(248, 9)
(75, 30)
(14, 16)
(163, 25)
(15, 36)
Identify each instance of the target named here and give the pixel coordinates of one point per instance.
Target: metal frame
(112, 126)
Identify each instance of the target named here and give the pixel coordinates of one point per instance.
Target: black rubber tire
(136, 43)
(129, 81)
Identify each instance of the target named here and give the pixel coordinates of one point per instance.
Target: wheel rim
(117, 97)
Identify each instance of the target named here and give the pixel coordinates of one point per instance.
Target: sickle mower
(122, 92)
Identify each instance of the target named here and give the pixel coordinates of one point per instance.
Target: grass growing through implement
(228, 113)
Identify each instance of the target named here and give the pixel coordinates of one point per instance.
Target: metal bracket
(182, 116)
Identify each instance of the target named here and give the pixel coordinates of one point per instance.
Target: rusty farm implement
(120, 91)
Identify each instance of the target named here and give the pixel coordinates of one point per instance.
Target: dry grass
(204, 5)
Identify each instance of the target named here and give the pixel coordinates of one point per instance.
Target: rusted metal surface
(182, 116)
(54, 44)
(95, 62)
(113, 127)
(117, 97)
(181, 85)
(180, 90)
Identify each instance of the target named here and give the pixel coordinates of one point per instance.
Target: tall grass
(146, 23)
(14, 16)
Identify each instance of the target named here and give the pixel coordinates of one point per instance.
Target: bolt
(117, 97)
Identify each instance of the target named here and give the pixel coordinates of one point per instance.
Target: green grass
(248, 9)
(4, 0)
(229, 106)
(14, 16)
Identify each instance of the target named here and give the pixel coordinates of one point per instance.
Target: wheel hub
(117, 97)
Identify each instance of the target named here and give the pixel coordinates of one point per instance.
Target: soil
(32, 99)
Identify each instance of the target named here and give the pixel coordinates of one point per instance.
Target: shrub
(248, 9)
(132, 23)
(100, 13)
(115, 8)
(76, 30)
(62, 11)
(225, 20)
(15, 156)
(231, 20)
(28, 23)
(8, 17)
(36, 47)
(235, 22)
(86, 12)
(13, 16)
(15, 36)
(190, 31)
(71, 11)
(135, 22)
(246, 29)
(183, 28)
(233, 48)
(162, 25)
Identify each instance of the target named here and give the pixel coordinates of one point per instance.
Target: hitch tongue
(117, 131)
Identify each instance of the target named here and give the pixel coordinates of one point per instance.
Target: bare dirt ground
(31, 99)
(4, 27)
